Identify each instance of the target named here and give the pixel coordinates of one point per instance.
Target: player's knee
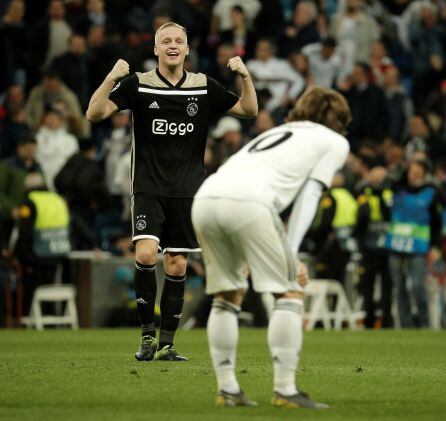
(235, 297)
(175, 265)
(146, 258)
(146, 252)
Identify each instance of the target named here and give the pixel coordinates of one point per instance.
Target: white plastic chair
(56, 294)
(318, 292)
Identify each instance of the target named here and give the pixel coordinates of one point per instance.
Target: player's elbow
(93, 117)
(251, 111)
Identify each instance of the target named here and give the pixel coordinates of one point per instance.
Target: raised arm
(100, 107)
(246, 106)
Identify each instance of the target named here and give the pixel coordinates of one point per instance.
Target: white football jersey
(274, 166)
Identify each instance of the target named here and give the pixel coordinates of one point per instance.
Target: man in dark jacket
(371, 228)
(363, 95)
(81, 181)
(74, 68)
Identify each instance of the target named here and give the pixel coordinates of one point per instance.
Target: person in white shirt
(54, 145)
(325, 62)
(236, 218)
(274, 74)
(221, 13)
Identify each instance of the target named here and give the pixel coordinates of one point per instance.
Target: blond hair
(323, 106)
(168, 25)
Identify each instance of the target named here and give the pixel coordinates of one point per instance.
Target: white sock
(222, 330)
(285, 342)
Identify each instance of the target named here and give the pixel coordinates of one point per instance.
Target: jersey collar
(170, 85)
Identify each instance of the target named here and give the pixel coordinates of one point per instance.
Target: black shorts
(164, 219)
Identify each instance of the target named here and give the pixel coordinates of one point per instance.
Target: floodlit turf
(92, 375)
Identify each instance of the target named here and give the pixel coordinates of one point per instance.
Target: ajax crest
(192, 107)
(140, 222)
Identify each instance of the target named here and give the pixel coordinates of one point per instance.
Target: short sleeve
(124, 93)
(220, 98)
(331, 162)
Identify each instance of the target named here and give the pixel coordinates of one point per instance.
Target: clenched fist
(236, 65)
(120, 69)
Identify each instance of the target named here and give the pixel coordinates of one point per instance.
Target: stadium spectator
(81, 182)
(104, 51)
(333, 231)
(355, 33)
(49, 37)
(419, 139)
(43, 235)
(301, 64)
(13, 124)
(229, 133)
(139, 54)
(54, 145)
(399, 105)
(275, 80)
(122, 185)
(13, 45)
(415, 229)
(303, 30)
(396, 7)
(95, 15)
(48, 94)
(364, 95)
(116, 144)
(74, 69)
(25, 158)
(411, 18)
(325, 63)
(11, 193)
(221, 14)
(239, 35)
(436, 104)
(426, 40)
(371, 228)
(380, 62)
(271, 18)
(219, 69)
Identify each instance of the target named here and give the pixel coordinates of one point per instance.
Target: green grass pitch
(92, 375)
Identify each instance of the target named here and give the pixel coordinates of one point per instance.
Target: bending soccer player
(170, 114)
(236, 218)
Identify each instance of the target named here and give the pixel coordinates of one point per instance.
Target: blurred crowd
(387, 57)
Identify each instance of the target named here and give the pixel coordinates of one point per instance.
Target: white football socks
(285, 342)
(222, 330)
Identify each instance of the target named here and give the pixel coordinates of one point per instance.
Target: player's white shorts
(231, 232)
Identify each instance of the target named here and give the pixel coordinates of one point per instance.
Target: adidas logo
(141, 301)
(154, 104)
(225, 362)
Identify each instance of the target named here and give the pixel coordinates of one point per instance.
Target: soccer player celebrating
(170, 113)
(236, 218)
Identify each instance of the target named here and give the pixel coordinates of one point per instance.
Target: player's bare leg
(222, 330)
(172, 300)
(285, 335)
(145, 291)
